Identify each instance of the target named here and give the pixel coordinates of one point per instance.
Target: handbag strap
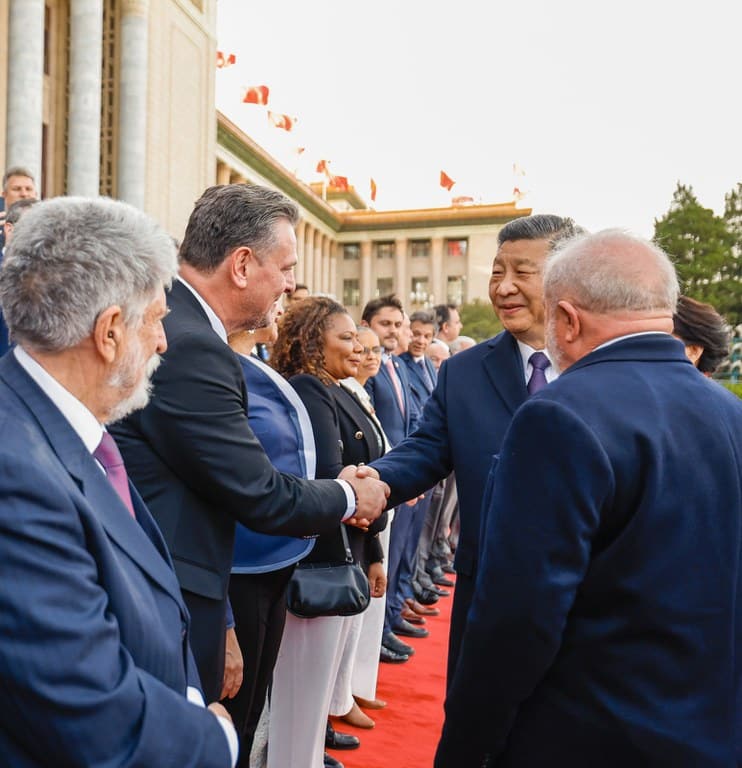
(346, 544)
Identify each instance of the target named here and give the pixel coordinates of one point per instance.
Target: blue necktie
(426, 376)
(539, 363)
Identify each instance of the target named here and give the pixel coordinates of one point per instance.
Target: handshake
(371, 494)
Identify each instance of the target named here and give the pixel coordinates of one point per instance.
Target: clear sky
(605, 106)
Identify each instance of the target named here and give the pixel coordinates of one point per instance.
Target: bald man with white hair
(606, 624)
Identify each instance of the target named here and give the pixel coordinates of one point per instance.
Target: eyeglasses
(372, 350)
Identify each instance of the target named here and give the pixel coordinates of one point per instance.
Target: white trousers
(303, 680)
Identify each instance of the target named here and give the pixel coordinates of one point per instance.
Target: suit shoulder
(307, 385)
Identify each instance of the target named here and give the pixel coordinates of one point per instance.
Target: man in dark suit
(94, 656)
(606, 623)
(476, 395)
(190, 452)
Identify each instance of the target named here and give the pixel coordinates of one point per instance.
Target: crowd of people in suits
(174, 440)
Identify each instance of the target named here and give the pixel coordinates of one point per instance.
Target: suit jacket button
(359, 435)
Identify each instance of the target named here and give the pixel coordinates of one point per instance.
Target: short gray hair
(17, 170)
(231, 216)
(70, 259)
(611, 271)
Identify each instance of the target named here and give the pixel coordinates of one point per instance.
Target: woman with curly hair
(317, 347)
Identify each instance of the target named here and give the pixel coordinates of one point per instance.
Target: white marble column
(86, 48)
(300, 259)
(333, 288)
(309, 258)
(25, 86)
(133, 102)
(401, 288)
(366, 272)
(317, 248)
(438, 286)
(326, 264)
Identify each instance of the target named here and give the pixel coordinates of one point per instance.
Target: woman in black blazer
(317, 347)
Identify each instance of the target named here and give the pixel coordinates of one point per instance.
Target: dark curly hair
(300, 344)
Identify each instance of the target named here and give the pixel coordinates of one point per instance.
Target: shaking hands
(371, 494)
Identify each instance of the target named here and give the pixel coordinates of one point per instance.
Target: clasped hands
(371, 494)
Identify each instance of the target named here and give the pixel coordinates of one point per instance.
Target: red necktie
(393, 376)
(108, 455)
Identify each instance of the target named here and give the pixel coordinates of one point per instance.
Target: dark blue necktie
(539, 362)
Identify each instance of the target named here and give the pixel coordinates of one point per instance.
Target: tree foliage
(706, 249)
(479, 320)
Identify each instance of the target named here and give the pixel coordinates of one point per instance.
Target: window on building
(455, 290)
(420, 249)
(384, 250)
(351, 293)
(351, 252)
(384, 286)
(456, 247)
(419, 293)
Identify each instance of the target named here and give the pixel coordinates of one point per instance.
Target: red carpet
(407, 730)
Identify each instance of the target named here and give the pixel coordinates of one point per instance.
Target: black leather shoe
(393, 643)
(426, 597)
(336, 740)
(331, 762)
(448, 568)
(442, 581)
(390, 657)
(406, 629)
(440, 592)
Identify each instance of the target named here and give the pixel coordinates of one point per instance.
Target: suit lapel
(504, 368)
(352, 415)
(93, 484)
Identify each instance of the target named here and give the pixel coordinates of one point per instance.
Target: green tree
(479, 320)
(702, 246)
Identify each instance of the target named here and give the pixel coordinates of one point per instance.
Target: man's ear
(108, 332)
(240, 263)
(569, 317)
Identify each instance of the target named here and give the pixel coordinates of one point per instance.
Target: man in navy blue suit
(606, 623)
(95, 660)
(476, 395)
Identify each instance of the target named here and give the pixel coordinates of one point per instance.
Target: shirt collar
(216, 323)
(525, 352)
(629, 336)
(80, 418)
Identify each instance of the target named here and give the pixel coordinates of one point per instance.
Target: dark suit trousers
(207, 641)
(259, 607)
(462, 598)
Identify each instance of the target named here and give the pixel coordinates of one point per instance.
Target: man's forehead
(388, 313)
(520, 251)
(20, 181)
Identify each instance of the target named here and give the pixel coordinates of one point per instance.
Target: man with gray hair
(18, 184)
(94, 633)
(476, 395)
(191, 452)
(606, 622)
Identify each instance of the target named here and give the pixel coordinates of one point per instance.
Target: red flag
(446, 181)
(300, 150)
(373, 191)
(322, 167)
(462, 200)
(225, 61)
(517, 194)
(256, 94)
(339, 182)
(281, 121)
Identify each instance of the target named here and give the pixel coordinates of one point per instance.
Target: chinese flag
(225, 61)
(256, 94)
(373, 191)
(322, 167)
(517, 194)
(339, 182)
(281, 121)
(446, 181)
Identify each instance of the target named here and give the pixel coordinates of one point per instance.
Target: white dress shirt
(526, 352)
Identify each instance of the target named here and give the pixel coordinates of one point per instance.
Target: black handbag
(328, 589)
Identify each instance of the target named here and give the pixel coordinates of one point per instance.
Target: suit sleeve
(69, 686)
(196, 424)
(550, 484)
(418, 462)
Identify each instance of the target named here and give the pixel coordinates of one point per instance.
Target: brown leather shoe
(370, 703)
(357, 717)
(422, 610)
(409, 615)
